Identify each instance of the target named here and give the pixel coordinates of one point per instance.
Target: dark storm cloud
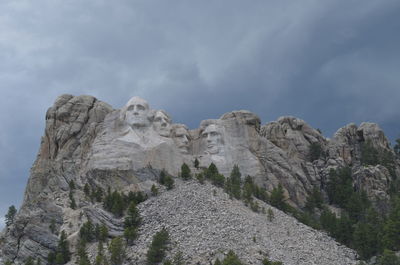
(328, 62)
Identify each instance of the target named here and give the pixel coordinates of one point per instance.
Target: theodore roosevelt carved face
(181, 137)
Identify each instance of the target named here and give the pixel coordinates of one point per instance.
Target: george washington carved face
(136, 112)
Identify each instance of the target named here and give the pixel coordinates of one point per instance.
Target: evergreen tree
(340, 186)
(87, 231)
(101, 259)
(154, 190)
(391, 236)
(270, 215)
(314, 200)
(83, 258)
(389, 258)
(72, 201)
(131, 223)
(86, 190)
(231, 259)
(277, 198)
(30, 261)
(156, 252)
(62, 254)
(211, 171)
(51, 258)
(117, 251)
(103, 233)
(328, 221)
(161, 178)
(234, 182)
(169, 182)
(72, 185)
(114, 203)
(196, 163)
(369, 155)
(9, 217)
(185, 172)
(52, 226)
(266, 261)
(178, 259)
(315, 151)
(200, 178)
(397, 147)
(133, 217)
(344, 230)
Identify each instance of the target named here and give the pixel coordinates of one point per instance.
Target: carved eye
(131, 107)
(158, 119)
(140, 107)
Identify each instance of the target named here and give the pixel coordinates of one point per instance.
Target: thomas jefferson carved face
(136, 112)
(162, 123)
(213, 139)
(181, 138)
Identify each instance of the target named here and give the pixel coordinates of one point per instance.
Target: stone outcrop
(88, 142)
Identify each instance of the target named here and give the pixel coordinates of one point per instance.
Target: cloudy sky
(328, 62)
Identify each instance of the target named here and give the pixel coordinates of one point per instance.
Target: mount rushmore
(88, 142)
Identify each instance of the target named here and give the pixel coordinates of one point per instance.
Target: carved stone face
(137, 111)
(181, 138)
(213, 139)
(162, 124)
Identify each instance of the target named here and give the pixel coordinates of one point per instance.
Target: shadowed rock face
(88, 141)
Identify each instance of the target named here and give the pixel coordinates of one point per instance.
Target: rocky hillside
(97, 148)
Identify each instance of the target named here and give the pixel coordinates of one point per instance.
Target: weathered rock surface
(87, 141)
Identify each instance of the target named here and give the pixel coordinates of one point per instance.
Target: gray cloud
(330, 63)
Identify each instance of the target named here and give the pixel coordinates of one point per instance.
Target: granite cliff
(88, 142)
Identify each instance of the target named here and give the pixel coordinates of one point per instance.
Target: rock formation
(89, 142)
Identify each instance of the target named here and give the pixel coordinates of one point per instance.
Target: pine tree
(169, 182)
(30, 261)
(86, 190)
(103, 233)
(72, 185)
(185, 172)
(277, 198)
(117, 251)
(156, 252)
(270, 215)
(196, 163)
(328, 221)
(87, 231)
(231, 259)
(131, 223)
(72, 201)
(63, 255)
(52, 226)
(369, 155)
(388, 258)
(340, 186)
(154, 190)
(391, 238)
(235, 182)
(9, 217)
(83, 258)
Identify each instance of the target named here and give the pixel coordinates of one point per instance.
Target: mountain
(91, 151)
